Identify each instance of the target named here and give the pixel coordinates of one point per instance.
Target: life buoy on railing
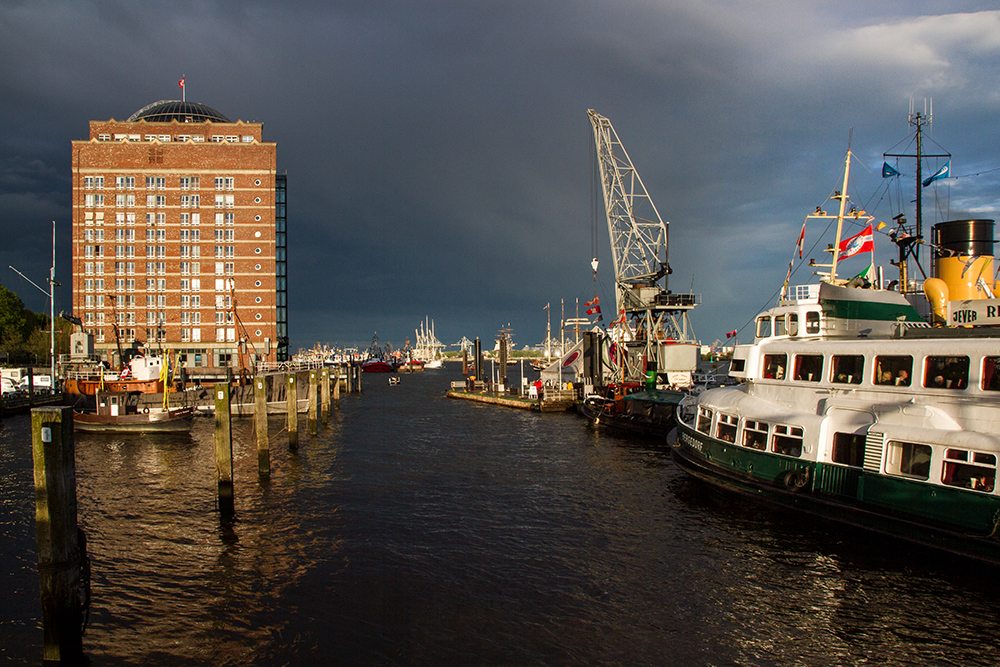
(145, 411)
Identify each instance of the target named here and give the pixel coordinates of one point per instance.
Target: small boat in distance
(118, 412)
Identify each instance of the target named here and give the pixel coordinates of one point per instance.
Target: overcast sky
(439, 153)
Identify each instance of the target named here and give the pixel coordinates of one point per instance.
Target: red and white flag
(595, 300)
(864, 241)
(802, 240)
(181, 82)
(594, 310)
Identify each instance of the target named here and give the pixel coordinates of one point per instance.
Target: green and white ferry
(854, 407)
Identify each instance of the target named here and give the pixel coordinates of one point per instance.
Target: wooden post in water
(360, 375)
(336, 390)
(31, 387)
(325, 396)
(224, 448)
(313, 403)
(61, 552)
(260, 425)
(292, 414)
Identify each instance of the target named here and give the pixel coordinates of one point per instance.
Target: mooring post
(360, 375)
(336, 389)
(224, 448)
(350, 378)
(313, 403)
(62, 572)
(260, 425)
(292, 414)
(31, 387)
(325, 396)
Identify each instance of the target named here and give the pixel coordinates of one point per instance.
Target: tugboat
(855, 408)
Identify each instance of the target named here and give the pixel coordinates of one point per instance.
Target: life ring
(145, 411)
(795, 480)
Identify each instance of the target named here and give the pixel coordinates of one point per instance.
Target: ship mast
(910, 245)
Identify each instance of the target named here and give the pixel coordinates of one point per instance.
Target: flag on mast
(802, 239)
(183, 91)
(943, 172)
(863, 241)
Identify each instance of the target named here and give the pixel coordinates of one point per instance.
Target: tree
(16, 324)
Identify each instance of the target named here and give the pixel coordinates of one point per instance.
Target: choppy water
(418, 530)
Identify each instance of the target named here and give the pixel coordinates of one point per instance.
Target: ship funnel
(963, 258)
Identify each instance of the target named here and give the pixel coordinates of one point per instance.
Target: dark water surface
(418, 530)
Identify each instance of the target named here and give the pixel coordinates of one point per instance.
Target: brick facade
(170, 220)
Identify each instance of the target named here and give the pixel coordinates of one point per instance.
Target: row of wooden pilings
(63, 565)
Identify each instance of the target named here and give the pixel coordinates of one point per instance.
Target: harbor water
(418, 530)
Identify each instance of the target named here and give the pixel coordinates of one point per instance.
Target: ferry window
(726, 428)
(763, 327)
(908, 459)
(808, 367)
(893, 370)
(969, 470)
(779, 326)
(946, 372)
(812, 322)
(849, 449)
(991, 374)
(793, 324)
(704, 421)
(738, 365)
(755, 435)
(774, 366)
(787, 440)
(847, 368)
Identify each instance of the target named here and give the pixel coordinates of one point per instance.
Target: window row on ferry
(967, 469)
(948, 372)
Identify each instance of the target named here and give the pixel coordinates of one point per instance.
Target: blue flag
(943, 172)
(887, 171)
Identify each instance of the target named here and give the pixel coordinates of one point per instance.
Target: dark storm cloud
(439, 154)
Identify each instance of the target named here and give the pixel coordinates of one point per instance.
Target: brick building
(176, 211)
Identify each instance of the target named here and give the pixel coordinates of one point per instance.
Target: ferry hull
(956, 522)
(175, 421)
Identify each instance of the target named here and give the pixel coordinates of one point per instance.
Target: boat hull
(174, 421)
(958, 522)
(377, 367)
(90, 387)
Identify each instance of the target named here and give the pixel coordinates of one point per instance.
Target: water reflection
(417, 530)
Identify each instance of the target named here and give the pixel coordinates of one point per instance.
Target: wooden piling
(313, 403)
(325, 396)
(260, 426)
(224, 448)
(292, 414)
(336, 391)
(61, 549)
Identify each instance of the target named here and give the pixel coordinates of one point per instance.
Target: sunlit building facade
(179, 236)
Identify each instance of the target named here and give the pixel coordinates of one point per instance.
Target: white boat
(853, 407)
(428, 348)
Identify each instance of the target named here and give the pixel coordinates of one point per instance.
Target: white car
(8, 386)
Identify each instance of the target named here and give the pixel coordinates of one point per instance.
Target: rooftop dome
(165, 111)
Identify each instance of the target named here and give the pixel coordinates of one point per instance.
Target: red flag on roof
(181, 82)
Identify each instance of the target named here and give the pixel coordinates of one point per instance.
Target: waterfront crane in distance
(657, 330)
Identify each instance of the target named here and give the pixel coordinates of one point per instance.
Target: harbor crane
(658, 335)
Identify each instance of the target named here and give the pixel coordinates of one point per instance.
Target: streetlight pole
(52, 306)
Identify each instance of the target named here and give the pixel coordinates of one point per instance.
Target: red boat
(377, 366)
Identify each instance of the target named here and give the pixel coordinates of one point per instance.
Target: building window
(156, 183)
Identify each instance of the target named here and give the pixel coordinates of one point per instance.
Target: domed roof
(165, 111)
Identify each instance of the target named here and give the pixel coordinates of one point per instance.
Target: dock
(553, 400)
